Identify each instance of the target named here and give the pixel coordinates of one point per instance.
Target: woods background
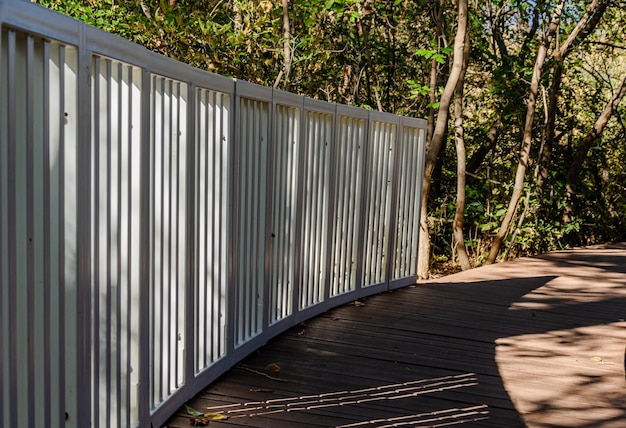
(526, 137)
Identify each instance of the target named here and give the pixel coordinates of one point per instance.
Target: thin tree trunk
(284, 73)
(550, 127)
(506, 103)
(438, 15)
(584, 147)
(487, 145)
(459, 139)
(438, 136)
(584, 28)
(518, 187)
(424, 244)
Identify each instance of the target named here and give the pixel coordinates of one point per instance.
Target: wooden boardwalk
(536, 342)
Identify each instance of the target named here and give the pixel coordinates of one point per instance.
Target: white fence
(158, 223)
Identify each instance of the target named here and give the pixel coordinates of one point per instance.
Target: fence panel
(319, 121)
(38, 237)
(286, 153)
(253, 130)
(213, 110)
(350, 159)
(168, 217)
(382, 146)
(158, 223)
(115, 220)
(409, 201)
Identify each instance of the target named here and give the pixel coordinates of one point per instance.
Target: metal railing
(158, 223)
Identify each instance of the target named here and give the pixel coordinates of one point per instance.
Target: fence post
(145, 295)
(330, 213)
(84, 321)
(391, 244)
(191, 267)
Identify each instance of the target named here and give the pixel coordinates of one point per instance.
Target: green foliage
(439, 55)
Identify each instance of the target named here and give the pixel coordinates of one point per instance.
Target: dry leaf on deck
(272, 368)
(199, 422)
(215, 416)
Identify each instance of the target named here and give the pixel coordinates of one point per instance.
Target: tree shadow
(535, 342)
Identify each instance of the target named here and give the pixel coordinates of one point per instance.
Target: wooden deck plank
(537, 342)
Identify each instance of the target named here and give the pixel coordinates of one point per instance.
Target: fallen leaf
(272, 368)
(596, 359)
(199, 422)
(215, 416)
(301, 332)
(193, 412)
(357, 303)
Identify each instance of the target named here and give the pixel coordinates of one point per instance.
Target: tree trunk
(459, 214)
(487, 145)
(518, 187)
(438, 9)
(424, 244)
(438, 136)
(505, 104)
(284, 73)
(584, 28)
(550, 127)
(581, 153)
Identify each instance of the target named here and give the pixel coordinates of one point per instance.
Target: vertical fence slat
(46, 283)
(144, 387)
(56, 277)
(96, 232)
(60, 225)
(4, 402)
(30, 220)
(10, 231)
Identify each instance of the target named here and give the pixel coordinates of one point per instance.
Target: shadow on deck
(535, 342)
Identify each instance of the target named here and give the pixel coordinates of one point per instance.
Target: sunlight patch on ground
(590, 383)
(380, 393)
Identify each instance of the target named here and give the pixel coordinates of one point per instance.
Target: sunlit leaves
(438, 55)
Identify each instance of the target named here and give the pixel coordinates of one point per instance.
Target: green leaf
(426, 53)
(440, 58)
(193, 412)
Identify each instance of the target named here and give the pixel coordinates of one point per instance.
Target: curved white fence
(158, 223)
